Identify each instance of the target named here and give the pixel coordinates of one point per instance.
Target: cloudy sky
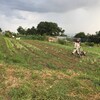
(72, 15)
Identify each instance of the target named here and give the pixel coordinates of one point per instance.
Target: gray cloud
(46, 5)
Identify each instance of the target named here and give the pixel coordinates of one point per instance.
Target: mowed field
(39, 70)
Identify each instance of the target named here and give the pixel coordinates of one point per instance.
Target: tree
(98, 33)
(95, 38)
(21, 30)
(0, 30)
(31, 31)
(81, 35)
(8, 33)
(49, 28)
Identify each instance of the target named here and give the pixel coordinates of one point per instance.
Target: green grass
(39, 70)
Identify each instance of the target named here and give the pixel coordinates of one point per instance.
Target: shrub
(63, 42)
(8, 34)
(39, 37)
(89, 43)
(33, 37)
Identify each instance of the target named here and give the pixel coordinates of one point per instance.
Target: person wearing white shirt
(76, 47)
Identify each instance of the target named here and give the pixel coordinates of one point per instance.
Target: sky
(73, 16)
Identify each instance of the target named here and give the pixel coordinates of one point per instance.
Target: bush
(33, 37)
(8, 34)
(39, 37)
(89, 43)
(63, 42)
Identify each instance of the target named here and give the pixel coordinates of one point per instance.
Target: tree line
(43, 28)
(94, 38)
(52, 29)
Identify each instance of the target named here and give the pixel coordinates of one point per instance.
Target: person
(76, 47)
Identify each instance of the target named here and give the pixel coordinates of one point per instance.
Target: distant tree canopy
(0, 30)
(31, 31)
(89, 38)
(8, 33)
(94, 38)
(80, 35)
(98, 33)
(21, 30)
(47, 28)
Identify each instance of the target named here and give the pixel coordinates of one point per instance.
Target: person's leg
(74, 51)
(78, 51)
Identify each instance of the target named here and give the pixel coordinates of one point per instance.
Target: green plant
(20, 93)
(51, 66)
(63, 42)
(90, 44)
(39, 37)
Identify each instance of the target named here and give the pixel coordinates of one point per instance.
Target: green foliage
(89, 44)
(63, 42)
(51, 66)
(49, 28)
(8, 34)
(39, 37)
(21, 30)
(89, 38)
(31, 31)
(98, 33)
(34, 76)
(0, 30)
(80, 35)
(20, 93)
(94, 38)
(34, 37)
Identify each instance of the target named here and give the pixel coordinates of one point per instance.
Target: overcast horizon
(72, 15)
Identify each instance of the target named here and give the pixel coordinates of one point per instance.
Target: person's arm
(75, 45)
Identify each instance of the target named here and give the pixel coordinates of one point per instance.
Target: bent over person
(76, 47)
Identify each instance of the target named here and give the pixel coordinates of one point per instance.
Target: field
(39, 70)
